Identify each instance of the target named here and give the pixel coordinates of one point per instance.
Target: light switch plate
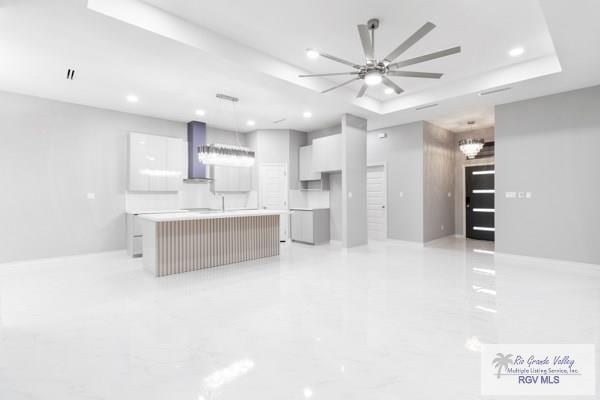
(527, 195)
(91, 196)
(401, 194)
(349, 195)
(521, 195)
(511, 195)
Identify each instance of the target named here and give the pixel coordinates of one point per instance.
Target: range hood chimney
(196, 136)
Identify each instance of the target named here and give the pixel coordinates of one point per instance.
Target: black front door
(479, 201)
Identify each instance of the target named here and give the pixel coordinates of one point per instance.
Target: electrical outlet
(449, 194)
(511, 195)
(91, 196)
(527, 195)
(521, 195)
(401, 194)
(442, 227)
(349, 195)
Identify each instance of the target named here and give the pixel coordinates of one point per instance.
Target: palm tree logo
(500, 361)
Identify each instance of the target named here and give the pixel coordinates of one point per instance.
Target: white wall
(402, 151)
(549, 146)
(52, 155)
(460, 162)
(438, 182)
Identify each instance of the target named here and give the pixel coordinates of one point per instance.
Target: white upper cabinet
(231, 179)
(327, 153)
(305, 165)
(176, 163)
(156, 163)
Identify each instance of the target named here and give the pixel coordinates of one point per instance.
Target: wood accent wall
(189, 245)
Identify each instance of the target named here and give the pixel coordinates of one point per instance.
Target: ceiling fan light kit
(375, 71)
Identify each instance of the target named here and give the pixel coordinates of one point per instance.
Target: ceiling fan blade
(414, 38)
(412, 74)
(330, 74)
(389, 83)
(340, 60)
(365, 40)
(340, 85)
(427, 57)
(362, 90)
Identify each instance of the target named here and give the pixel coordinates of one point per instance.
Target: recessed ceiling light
(312, 53)
(517, 51)
(200, 113)
(373, 78)
(388, 90)
(132, 98)
(250, 122)
(307, 114)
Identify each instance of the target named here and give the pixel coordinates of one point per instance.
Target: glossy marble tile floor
(386, 321)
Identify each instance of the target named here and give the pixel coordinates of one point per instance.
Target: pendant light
(224, 154)
(471, 147)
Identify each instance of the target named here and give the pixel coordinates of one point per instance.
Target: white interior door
(274, 193)
(376, 202)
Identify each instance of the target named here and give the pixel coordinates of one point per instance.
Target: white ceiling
(284, 29)
(177, 61)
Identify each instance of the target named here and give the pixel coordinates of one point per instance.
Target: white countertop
(139, 212)
(209, 215)
(308, 208)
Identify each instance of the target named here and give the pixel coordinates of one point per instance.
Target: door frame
(463, 200)
(385, 197)
(286, 192)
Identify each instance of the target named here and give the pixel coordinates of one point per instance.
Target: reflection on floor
(386, 321)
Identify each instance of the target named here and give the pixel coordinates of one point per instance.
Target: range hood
(196, 137)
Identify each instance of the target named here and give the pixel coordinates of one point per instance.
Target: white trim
(484, 228)
(486, 172)
(385, 191)
(482, 191)
(484, 210)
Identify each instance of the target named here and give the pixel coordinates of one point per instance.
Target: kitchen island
(181, 242)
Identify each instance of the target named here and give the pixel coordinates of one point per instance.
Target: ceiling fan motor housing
(373, 23)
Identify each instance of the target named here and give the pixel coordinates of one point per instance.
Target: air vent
(70, 74)
(426, 106)
(279, 121)
(227, 97)
(494, 91)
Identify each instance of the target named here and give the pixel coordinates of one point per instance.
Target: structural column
(354, 181)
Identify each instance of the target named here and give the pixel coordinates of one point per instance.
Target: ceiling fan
(375, 71)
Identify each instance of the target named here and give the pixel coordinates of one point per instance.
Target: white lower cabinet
(134, 235)
(310, 226)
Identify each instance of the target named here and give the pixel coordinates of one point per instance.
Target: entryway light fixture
(224, 154)
(471, 147)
